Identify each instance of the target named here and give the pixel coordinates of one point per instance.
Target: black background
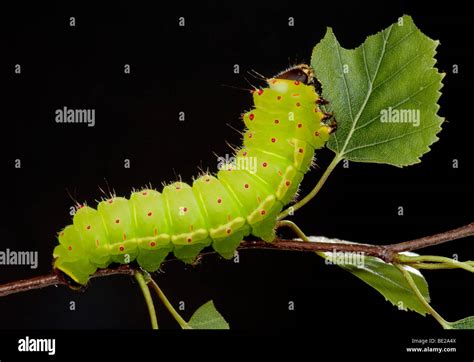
(190, 69)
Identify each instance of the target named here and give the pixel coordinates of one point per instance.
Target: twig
(56, 278)
(459, 233)
(387, 253)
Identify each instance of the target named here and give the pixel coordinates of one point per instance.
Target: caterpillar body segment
(283, 131)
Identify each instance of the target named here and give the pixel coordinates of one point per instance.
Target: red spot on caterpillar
(219, 200)
(279, 98)
(88, 227)
(264, 164)
(297, 82)
(110, 201)
(229, 231)
(260, 92)
(250, 135)
(189, 240)
(124, 236)
(300, 125)
(287, 183)
(152, 243)
(178, 187)
(274, 140)
(144, 193)
(117, 221)
(150, 213)
(295, 95)
(121, 248)
(69, 248)
(298, 104)
(316, 134)
(280, 173)
(246, 186)
(62, 233)
(207, 179)
(263, 212)
(185, 209)
(300, 150)
(244, 153)
(251, 116)
(277, 121)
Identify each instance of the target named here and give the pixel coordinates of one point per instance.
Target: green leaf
(465, 323)
(383, 277)
(388, 281)
(207, 317)
(392, 71)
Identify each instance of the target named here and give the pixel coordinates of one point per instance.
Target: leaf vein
(398, 104)
(369, 91)
(344, 79)
(390, 139)
(401, 69)
(401, 40)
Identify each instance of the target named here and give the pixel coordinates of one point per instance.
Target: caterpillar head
(302, 73)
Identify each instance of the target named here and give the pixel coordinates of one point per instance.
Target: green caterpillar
(283, 130)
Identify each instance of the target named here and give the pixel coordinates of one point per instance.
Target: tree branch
(56, 278)
(459, 233)
(387, 253)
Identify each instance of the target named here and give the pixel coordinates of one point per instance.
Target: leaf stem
(445, 324)
(295, 228)
(435, 260)
(169, 306)
(148, 299)
(314, 191)
(436, 266)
